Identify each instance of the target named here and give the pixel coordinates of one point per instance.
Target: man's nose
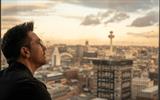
(44, 47)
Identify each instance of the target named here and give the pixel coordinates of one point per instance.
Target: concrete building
(58, 90)
(154, 77)
(47, 76)
(55, 76)
(136, 72)
(138, 84)
(3, 62)
(56, 58)
(150, 93)
(113, 78)
(79, 53)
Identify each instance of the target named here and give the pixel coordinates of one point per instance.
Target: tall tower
(113, 78)
(56, 58)
(111, 36)
(87, 45)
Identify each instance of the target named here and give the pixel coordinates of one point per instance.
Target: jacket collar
(20, 66)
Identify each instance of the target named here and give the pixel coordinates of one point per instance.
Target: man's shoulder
(30, 83)
(32, 88)
(12, 75)
(17, 84)
(18, 77)
(17, 80)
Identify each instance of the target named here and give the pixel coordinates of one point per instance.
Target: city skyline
(75, 21)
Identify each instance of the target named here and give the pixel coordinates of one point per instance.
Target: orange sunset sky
(134, 22)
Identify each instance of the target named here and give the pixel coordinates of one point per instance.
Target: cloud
(105, 14)
(71, 16)
(19, 8)
(8, 22)
(150, 34)
(90, 20)
(109, 16)
(117, 17)
(122, 5)
(150, 19)
(9, 19)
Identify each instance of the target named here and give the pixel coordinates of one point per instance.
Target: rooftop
(112, 62)
(150, 89)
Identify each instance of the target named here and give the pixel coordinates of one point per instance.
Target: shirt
(18, 83)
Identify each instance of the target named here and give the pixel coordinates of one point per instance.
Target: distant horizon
(94, 42)
(98, 44)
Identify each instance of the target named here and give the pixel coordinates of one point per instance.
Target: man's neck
(30, 66)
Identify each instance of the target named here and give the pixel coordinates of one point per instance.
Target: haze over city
(133, 22)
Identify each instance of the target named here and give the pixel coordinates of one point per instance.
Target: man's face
(37, 50)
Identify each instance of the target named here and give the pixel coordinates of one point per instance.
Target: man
(25, 53)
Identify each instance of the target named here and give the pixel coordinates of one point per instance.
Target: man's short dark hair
(14, 39)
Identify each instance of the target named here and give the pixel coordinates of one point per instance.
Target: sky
(133, 22)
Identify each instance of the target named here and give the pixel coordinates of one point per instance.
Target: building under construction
(113, 78)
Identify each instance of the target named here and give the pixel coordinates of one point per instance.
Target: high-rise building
(113, 78)
(56, 58)
(79, 53)
(87, 45)
(113, 75)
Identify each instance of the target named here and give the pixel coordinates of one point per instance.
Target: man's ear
(25, 52)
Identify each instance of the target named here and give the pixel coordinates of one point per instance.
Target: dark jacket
(18, 83)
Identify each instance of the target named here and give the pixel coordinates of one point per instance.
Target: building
(138, 84)
(47, 76)
(57, 90)
(92, 54)
(87, 45)
(71, 74)
(113, 78)
(79, 53)
(55, 76)
(56, 58)
(136, 72)
(3, 62)
(66, 59)
(150, 93)
(154, 76)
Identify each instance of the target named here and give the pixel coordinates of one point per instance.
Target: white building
(138, 84)
(56, 58)
(57, 90)
(150, 92)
